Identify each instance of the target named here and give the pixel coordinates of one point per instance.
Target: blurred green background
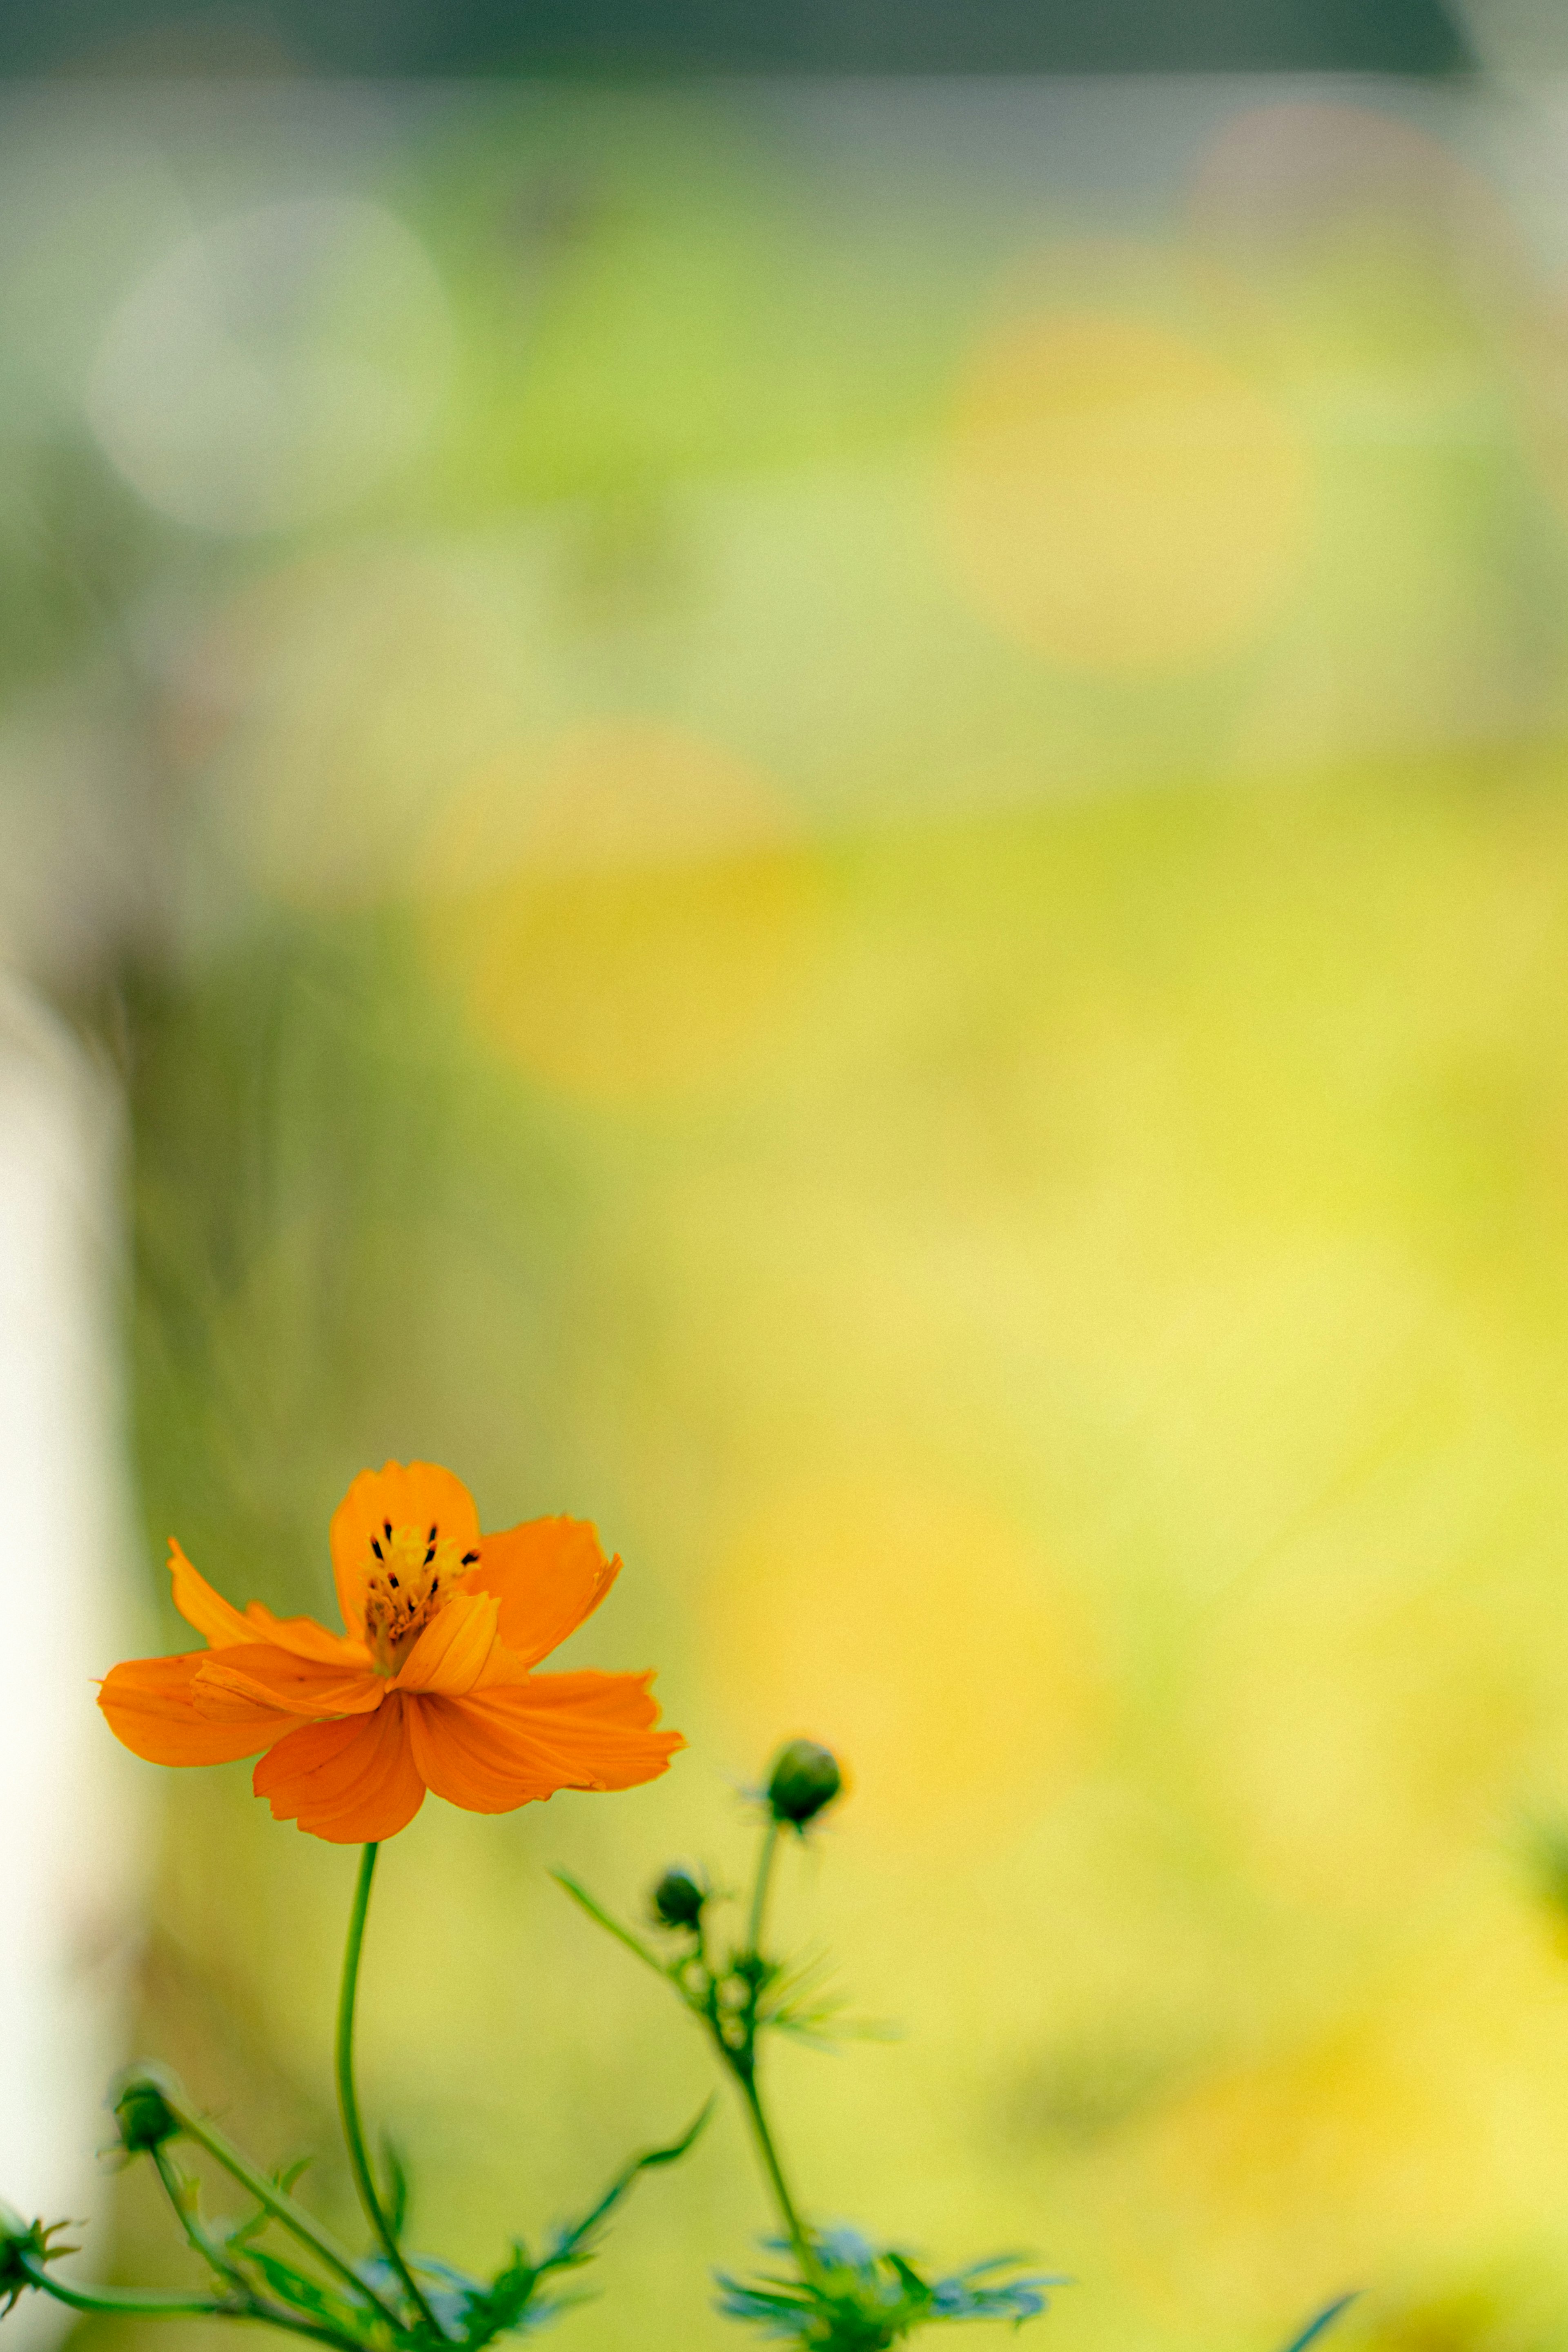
(829, 819)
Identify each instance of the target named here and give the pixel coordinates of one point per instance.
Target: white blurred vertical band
(71, 1842)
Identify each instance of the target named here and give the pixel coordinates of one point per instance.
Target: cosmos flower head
(432, 1686)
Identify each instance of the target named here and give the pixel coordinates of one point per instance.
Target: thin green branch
(283, 2209)
(183, 2197)
(181, 2191)
(733, 2031)
(348, 2102)
(742, 2063)
(759, 1893)
(147, 2303)
(805, 2254)
(273, 2315)
(567, 2245)
(1325, 2319)
(140, 2302)
(621, 1935)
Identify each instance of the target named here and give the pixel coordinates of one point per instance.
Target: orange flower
(433, 1686)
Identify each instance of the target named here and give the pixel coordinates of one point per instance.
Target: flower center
(413, 1573)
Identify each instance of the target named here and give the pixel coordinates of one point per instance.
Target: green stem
(794, 2228)
(743, 2063)
(282, 2208)
(140, 2303)
(347, 2102)
(273, 2315)
(183, 2206)
(759, 1893)
(251, 2305)
(580, 1895)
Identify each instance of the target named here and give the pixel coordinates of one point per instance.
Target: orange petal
(304, 1636)
(200, 1606)
(501, 1747)
(150, 1706)
(549, 1575)
(278, 1678)
(454, 1648)
(419, 1493)
(624, 1702)
(352, 1783)
(226, 1626)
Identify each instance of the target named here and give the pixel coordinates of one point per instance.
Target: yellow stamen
(412, 1573)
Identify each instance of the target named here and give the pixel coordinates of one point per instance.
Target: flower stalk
(759, 1892)
(348, 2098)
(740, 2056)
(129, 2302)
(845, 2295)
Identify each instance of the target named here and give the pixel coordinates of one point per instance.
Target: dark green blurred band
(653, 38)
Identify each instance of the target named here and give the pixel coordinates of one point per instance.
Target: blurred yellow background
(832, 823)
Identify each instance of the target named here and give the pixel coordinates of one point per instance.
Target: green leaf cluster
(278, 2263)
(841, 2293)
(472, 2312)
(865, 2298)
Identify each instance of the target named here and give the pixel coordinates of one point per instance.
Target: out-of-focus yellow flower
(1122, 500)
(431, 1686)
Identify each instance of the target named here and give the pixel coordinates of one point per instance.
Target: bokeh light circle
(625, 909)
(917, 1632)
(1120, 499)
(274, 367)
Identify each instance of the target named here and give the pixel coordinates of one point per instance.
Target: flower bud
(804, 1780)
(142, 2108)
(16, 2238)
(679, 1897)
(22, 2241)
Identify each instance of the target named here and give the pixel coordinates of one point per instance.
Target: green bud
(679, 1897)
(18, 2237)
(804, 1780)
(144, 2108)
